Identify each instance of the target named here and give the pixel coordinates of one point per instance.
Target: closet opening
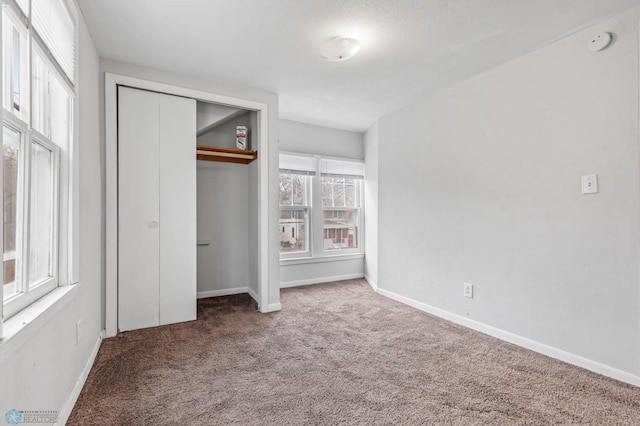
(227, 219)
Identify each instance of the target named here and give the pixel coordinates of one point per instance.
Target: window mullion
(316, 227)
(55, 208)
(25, 202)
(48, 109)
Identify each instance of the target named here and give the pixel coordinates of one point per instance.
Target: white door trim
(112, 81)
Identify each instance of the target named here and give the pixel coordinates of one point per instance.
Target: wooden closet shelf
(226, 155)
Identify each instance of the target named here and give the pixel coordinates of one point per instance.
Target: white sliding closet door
(178, 232)
(156, 209)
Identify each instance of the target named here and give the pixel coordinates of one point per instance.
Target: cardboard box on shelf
(241, 137)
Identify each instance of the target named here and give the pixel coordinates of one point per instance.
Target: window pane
(14, 57)
(51, 104)
(327, 191)
(286, 194)
(59, 113)
(40, 96)
(293, 225)
(293, 189)
(339, 192)
(11, 163)
(41, 220)
(340, 231)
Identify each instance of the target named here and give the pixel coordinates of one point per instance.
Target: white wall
(246, 93)
(309, 139)
(481, 184)
(371, 204)
(43, 372)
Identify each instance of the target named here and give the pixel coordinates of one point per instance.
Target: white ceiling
(409, 47)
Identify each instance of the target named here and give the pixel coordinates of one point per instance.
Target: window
(294, 212)
(340, 205)
(38, 54)
(320, 206)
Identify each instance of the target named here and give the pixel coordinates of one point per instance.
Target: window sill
(328, 258)
(21, 327)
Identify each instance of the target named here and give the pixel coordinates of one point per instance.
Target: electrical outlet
(589, 184)
(468, 290)
(78, 331)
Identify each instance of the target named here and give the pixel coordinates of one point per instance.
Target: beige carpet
(336, 354)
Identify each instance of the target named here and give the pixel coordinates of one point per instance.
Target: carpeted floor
(337, 353)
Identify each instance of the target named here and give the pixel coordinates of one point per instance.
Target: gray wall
(371, 204)
(43, 371)
(225, 135)
(309, 139)
(223, 219)
(481, 184)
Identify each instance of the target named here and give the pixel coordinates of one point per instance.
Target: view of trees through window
(338, 192)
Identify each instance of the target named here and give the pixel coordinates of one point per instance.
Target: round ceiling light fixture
(338, 49)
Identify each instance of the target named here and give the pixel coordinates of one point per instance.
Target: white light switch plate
(590, 184)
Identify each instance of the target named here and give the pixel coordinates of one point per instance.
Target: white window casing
(345, 229)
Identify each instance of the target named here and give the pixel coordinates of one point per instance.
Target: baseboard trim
(371, 282)
(321, 280)
(274, 307)
(67, 408)
(253, 294)
(224, 292)
(516, 339)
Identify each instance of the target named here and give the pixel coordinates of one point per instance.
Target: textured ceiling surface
(409, 47)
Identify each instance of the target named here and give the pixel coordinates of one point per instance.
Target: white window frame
(315, 216)
(28, 294)
(63, 180)
(306, 209)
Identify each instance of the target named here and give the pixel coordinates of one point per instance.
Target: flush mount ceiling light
(338, 49)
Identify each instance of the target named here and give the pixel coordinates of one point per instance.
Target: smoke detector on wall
(338, 49)
(600, 42)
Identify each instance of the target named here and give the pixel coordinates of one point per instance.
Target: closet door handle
(153, 224)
